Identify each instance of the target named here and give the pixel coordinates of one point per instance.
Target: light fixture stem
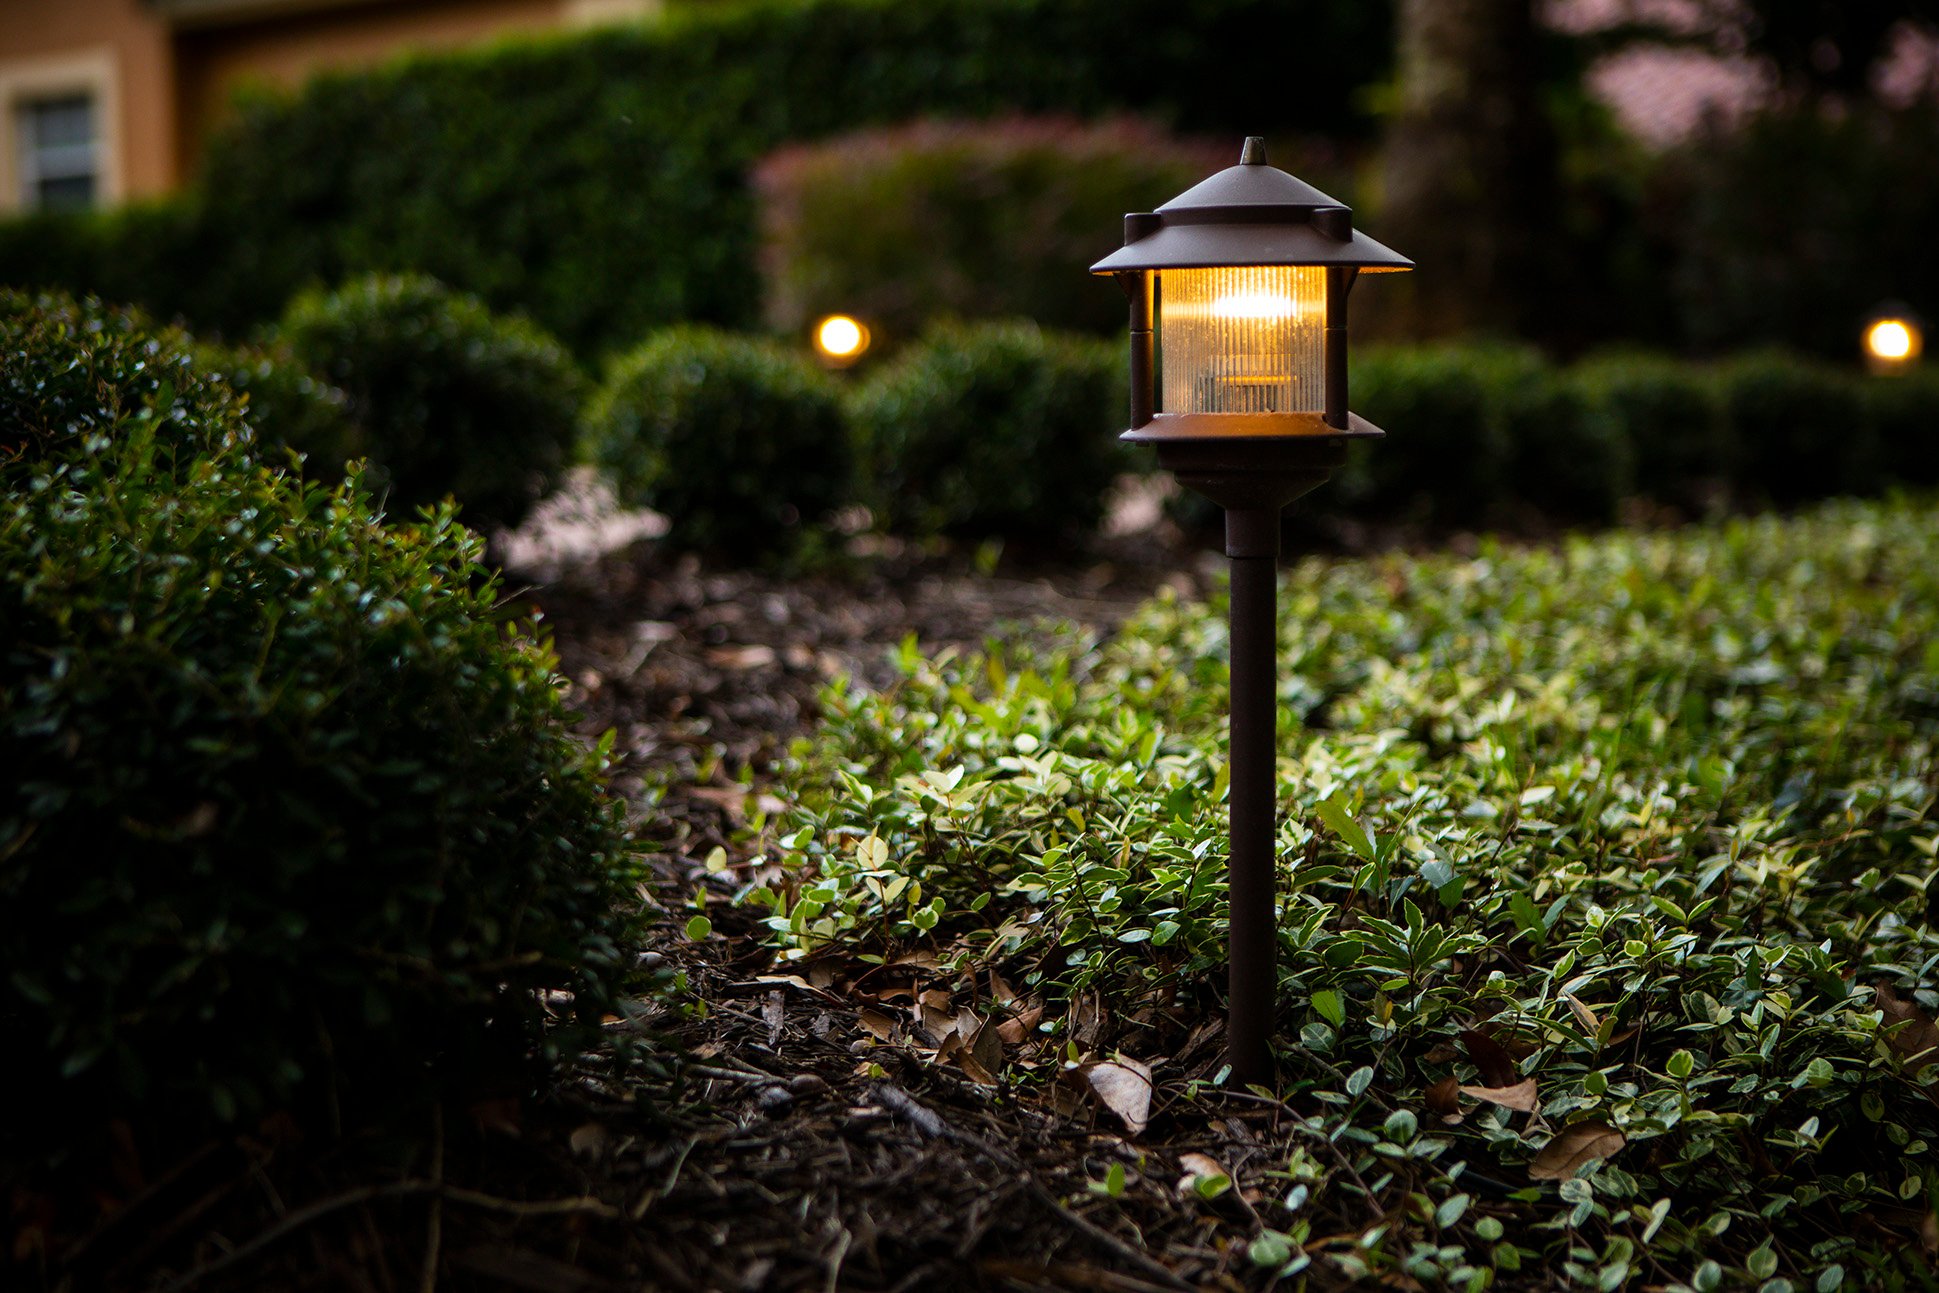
(1252, 542)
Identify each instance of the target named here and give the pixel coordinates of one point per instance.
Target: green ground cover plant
(1607, 959)
(291, 818)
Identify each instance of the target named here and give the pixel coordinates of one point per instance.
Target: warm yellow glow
(1253, 305)
(1242, 340)
(1893, 340)
(841, 339)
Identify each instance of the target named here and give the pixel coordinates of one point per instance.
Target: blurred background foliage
(748, 166)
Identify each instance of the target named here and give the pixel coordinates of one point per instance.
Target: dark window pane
(71, 194)
(54, 122)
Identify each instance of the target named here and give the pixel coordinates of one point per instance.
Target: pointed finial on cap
(1254, 153)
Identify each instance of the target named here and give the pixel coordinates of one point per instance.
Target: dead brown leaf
(1197, 1166)
(1124, 1085)
(1573, 1146)
(1584, 1016)
(741, 657)
(879, 1023)
(1017, 1029)
(1908, 1030)
(981, 1053)
(1444, 1099)
(1496, 1064)
(1521, 1095)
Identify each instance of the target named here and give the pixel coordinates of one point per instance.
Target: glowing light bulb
(1242, 339)
(841, 339)
(1253, 305)
(1889, 339)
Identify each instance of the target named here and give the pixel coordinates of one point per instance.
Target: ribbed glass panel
(1248, 340)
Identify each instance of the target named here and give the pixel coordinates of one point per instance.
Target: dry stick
(648, 1195)
(835, 1261)
(434, 1225)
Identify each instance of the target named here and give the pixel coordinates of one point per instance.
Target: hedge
(291, 815)
(971, 220)
(597, 180)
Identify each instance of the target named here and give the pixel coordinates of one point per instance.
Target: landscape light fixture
(1893, 341)
(1238, 292)
(840, 340)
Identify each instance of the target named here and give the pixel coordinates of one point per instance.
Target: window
(60, 153)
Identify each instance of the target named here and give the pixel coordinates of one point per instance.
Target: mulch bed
(776, 1143)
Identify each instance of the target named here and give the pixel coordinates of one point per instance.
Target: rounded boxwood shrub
(1798, 427)
(1903, 410)
(289, 812)
(1670, 412)
(74, 375)
(448, 397)
(1561, 463)
(1446, 460)
(741, 443)
(288, 406)
(993, 430)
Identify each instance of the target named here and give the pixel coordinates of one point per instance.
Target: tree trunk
(1470, 171)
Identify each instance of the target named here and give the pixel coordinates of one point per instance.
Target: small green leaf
(1342, 823)
(1270, 1249)
(1359, 1080)
(699, 928)
(1326, 1003)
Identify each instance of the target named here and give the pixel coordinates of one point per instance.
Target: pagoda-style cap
(1249, 214)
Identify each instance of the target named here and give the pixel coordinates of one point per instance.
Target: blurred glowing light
(840, 339)
(1891, 339)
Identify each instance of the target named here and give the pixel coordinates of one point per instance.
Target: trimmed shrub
(596, 180)
(448, 398)
(1798, 427)
(290, 407)
(1561, 461)
(1671, 415)
(55, 408)
(993, 430)
(1446, 458)
(961, 219)
(1903, 412)
(290, 813)
(741, 443)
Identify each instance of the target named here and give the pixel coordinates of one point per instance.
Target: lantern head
(1245, 277)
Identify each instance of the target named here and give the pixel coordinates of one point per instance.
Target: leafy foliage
(1603, 931)
(1756, 256)
(448, 398)
(596, 180)
(960, 219)
(992, 429)
(742, 443)
(290, 809)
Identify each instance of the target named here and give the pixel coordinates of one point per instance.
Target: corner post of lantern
(1238, 329)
